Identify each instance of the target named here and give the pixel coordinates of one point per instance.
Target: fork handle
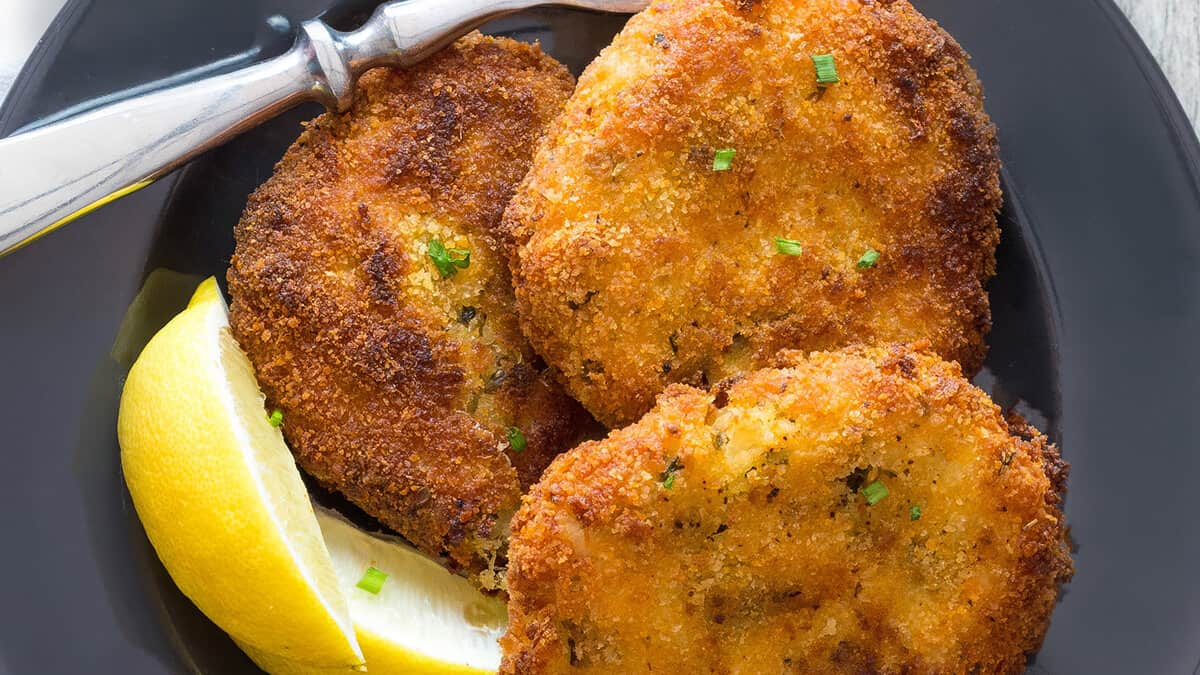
(55, 173)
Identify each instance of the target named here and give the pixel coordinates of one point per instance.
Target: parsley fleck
(448, 261)
(276, 418)
(914, 512)
(372, 581)
(667, 477)
(516, 439)
(875, 492)
(868, 259)
(826, 69)
(723, 159)
(788, 246)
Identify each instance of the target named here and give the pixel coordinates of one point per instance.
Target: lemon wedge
(423, 619)
(220, 497)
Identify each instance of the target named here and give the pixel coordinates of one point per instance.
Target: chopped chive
(788, 246)
(868, 259)
(276, 418)
(667, 477)
(914, 512)
(516, 439)
(448, 261)
(723, 159)
(826, 69)
(372, 580)
(875, 492)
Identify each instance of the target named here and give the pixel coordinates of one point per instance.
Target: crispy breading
(734, 531)
(639, 265)
(398, 386)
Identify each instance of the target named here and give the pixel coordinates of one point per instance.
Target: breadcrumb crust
(398, 386)
(730, 530)
(638, 266)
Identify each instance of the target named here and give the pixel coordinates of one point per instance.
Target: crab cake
(372, 298)
(865, 510)
(705, 201)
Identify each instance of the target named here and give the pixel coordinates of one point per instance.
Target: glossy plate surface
(1097, 313)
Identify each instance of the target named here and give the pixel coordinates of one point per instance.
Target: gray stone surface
(1172, 30)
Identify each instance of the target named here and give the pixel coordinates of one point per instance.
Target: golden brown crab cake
(641, 261)
(864, 510)
(404, 381)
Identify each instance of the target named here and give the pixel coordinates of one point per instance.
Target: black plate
(1097, 310)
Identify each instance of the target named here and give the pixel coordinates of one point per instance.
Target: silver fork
(53, 174)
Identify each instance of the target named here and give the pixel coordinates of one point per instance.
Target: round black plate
(1097, 311)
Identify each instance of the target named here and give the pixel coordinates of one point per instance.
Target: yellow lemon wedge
(422, 620)
(220, 497)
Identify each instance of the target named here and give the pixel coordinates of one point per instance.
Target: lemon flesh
(220, 497)
(423, 620)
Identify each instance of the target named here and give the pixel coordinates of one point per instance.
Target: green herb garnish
(276, 418)
(875, 492)
(448, 261)
(826, 69)
(914, 512)
(667, 477)
(372, 580)
(516, 439)
(868, 259)
(723, 159)
(788, 246)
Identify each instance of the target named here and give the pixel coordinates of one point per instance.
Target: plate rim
(1179, 127)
